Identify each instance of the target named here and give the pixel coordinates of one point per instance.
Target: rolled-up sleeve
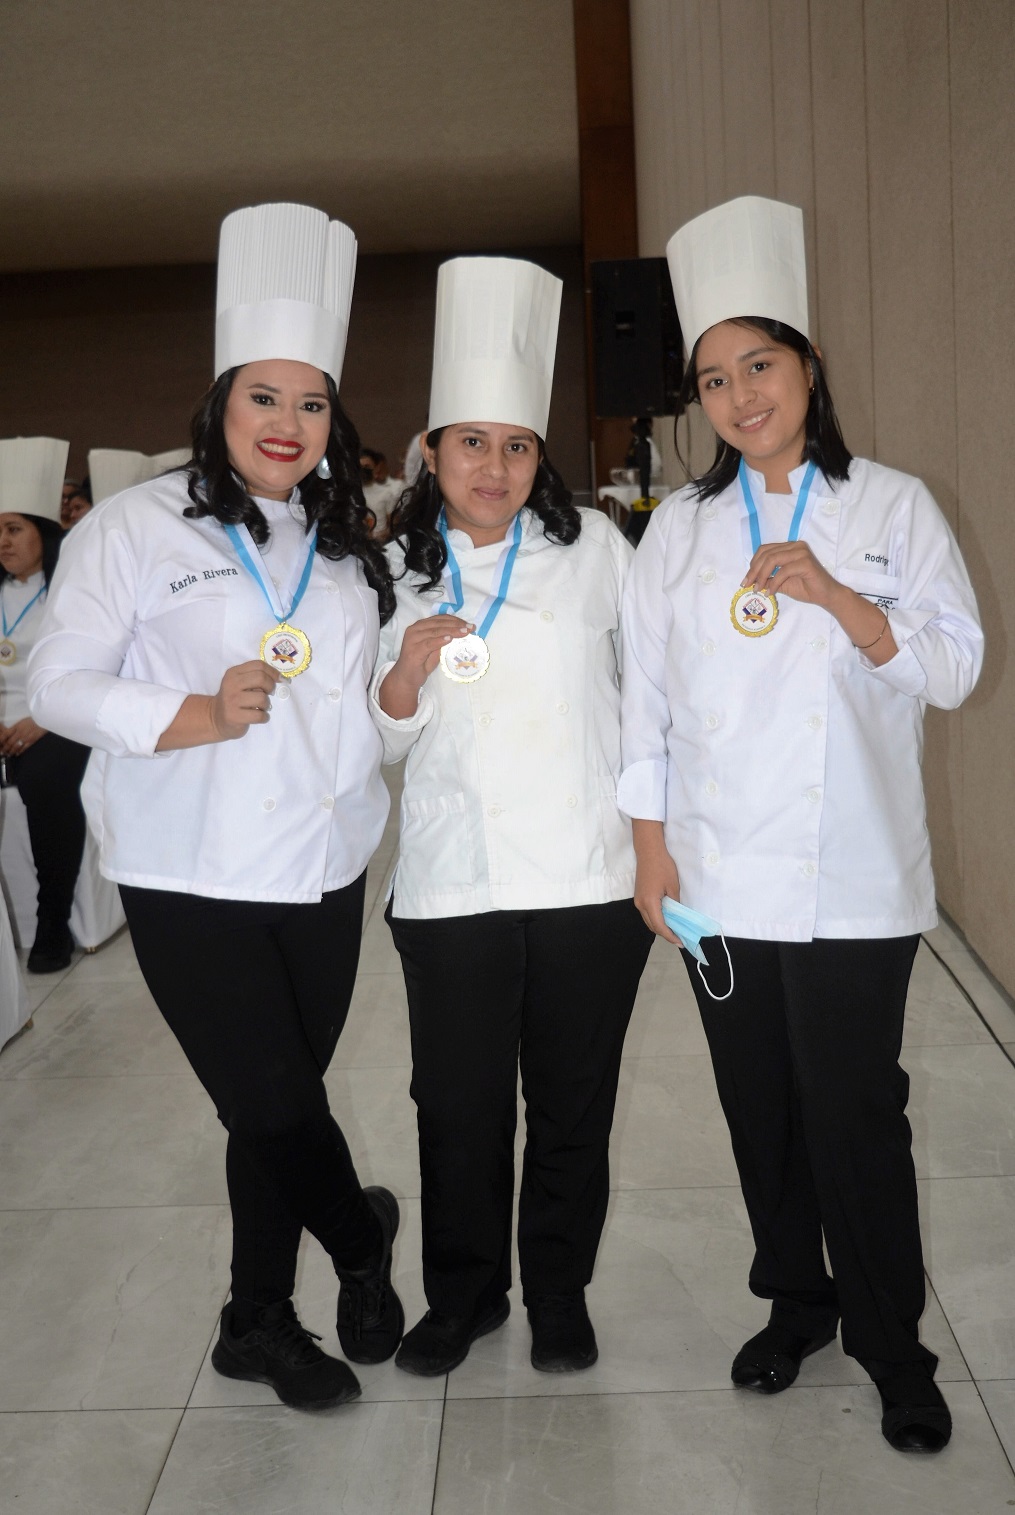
(936, 624)
(73, 676)
(645, 710)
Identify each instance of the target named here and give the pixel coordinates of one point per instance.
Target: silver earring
(324, 468)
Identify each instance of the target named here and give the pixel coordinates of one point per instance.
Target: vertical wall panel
(983, 149)
(747, 97)
(909, 154)
(838, 93)
(792, 117)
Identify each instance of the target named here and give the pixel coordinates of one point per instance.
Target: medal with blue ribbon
(755, 611)
(8, 649)
(466, 659)
(284, 647)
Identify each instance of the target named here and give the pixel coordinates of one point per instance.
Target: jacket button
(831, 507)
(572, 801)
(281, 691)
(332, 588)
(563, 707)
(327, 803)
(707, 575)
(808, 870)
(268, 805)
(334, 694)
(815, 722)
(546, 615)
(711, 859)
(484, 720)
(819, 644)
(493, 810)
(709, 513)
(711, 722)
(711, 787)
(708, 648)
(814, 795)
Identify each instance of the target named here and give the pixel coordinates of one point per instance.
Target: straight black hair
(336, 504)
(823, 443)
(413, 522)
(52, 539)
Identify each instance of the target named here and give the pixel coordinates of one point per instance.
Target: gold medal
(286, 648)
(465, 659)
(8, 653)
(754, 612)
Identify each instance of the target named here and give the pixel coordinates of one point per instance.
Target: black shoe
(914, 1416)
(563, 1340)
(770, 1361)
(438, 1343)
(370, 1315)
(280, 1353)
(51, 950)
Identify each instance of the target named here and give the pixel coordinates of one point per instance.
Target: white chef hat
(111, 469)
(494, 344)
(285, 277)
(31, 476)
(745, 258)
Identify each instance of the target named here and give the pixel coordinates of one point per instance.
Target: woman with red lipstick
(512, 902)
(212, 635)
(791, 613)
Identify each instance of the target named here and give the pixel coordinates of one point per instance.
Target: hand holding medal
(422, 647)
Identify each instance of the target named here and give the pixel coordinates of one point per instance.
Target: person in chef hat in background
(790, 614)
(212, 633)
(512, 905)
(45, 768)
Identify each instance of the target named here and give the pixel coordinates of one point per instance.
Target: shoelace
(291, 1341)
(363, 1303)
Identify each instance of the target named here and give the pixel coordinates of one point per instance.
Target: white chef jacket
(16, 597)
(511, 783)
(787, 767)
(146, 607)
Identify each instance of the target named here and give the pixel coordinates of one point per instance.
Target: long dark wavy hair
(336, 504)
(823, 445)
(413, 522)
(52, 539)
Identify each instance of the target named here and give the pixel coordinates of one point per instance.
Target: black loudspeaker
(638, 354)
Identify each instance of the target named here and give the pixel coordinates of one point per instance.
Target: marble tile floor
(114, 1245)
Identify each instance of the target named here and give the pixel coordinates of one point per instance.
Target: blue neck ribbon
(487, 612)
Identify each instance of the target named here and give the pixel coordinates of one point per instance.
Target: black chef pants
(806, 1058)
(553, 990)
(49, 778)
(257, 995)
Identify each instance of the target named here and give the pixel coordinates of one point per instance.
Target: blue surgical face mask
(690, 926)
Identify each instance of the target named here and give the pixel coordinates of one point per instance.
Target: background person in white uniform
(512, 907)
(241, 846)
(45, 768)
(772, 762)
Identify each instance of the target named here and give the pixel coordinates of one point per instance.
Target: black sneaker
(280, 1353)
(770, 1361)
(438, 1343)
(370, 1315)
(563, 1340)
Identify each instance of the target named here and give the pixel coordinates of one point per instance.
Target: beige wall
(120, 357)
(892, 123)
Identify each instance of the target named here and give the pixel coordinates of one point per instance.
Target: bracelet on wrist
(866, 646)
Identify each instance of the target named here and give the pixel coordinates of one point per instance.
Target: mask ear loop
(719, 997)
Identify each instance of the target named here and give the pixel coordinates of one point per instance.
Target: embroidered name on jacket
(176, 585)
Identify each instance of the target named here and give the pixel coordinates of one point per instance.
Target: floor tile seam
(440, 1446)
(162, 1467)
(100, 1410)
(967, 995)
(731, 1390)
(210, 1204)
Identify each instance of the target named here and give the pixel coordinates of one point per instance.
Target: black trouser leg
(257, 995)
(49, 782)
(806, 1059)
(558, 987)
(583, 968)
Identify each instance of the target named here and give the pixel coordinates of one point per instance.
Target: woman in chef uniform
(212, 634)
(512, 906)
(46, 768)
(789, 616)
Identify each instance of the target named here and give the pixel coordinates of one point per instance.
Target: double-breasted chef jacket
(510, 798)
(147, 606)
(786, 767)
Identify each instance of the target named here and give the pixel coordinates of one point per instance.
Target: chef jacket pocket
(434, 844)
(879, 587)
